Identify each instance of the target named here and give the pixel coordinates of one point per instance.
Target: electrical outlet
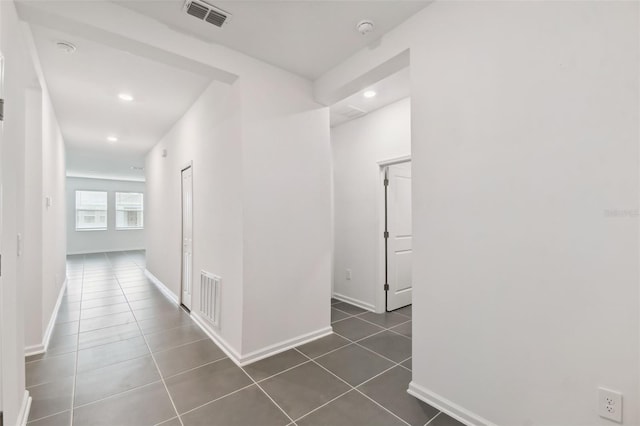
(348, 275)
(610, 404)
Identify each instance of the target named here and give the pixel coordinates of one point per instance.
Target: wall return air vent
(207, 12)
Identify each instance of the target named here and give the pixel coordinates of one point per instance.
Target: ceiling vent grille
(207, 12)
(350, 111)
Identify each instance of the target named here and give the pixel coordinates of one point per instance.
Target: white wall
(32, 151)
(358, 146)
(32, 238)
(17, 73)
(244, 156)
(33, 166)
(524, 136)
(209, 136)
(287, 210)
(105, 240)
(43, 228)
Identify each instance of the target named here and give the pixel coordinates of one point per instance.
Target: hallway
(126, 355)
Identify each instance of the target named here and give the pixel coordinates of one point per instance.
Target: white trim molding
(284, 346)
(243, 360)
(25, 408)
(75, 253)
(217, 339)
(163, 288)
(355, 302)
(42, 347)
(448, 407)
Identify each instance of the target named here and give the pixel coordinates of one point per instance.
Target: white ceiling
(84, 89)
(307, 37)
(388, 90)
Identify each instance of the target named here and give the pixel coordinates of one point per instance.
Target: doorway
(187, 236)
(398, 235)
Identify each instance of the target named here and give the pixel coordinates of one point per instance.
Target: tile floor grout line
(325, 404)
(378, 325)
(154, 361)
(356, 342)
(194, 368)
(118, 394)
(325, 353)
(266, 394)
(217, 399)
(356, 389)
(382, 406)
(165, 421)
(75, 368)
(281, 372)
(47, 416)
(359, 384)
(433, 418)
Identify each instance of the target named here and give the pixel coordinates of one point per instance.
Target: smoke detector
(206, 12)
(66, 47)
(365, 26)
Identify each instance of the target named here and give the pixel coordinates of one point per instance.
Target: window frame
(106, 211)
(115, 207)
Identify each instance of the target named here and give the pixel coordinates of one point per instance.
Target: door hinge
(386, 182)
(386, 287)
(386, 234)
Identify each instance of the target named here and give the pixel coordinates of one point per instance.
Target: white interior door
(187, 236)
(399, 244)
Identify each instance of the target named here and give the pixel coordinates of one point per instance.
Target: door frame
(382, 165)
(185, 166)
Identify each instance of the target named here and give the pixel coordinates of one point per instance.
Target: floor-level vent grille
(210, 297)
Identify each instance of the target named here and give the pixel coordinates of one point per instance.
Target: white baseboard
(217, 339)
(73, 253)
(243, 360)
(34, 350)
(448, 407)
(284, 346)
(23, 415)
(163, 288)
(42, 347)
(355, 302)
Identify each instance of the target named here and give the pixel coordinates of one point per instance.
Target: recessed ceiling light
(369, 94)
(125, 97)
(112, 139)
(66, 47)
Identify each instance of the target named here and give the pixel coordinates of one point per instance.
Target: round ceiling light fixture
(127, 97)
(112, 138)
(369, 94)
(66, 46)
(365, 26)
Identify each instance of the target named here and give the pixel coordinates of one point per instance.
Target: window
(91, 210)
(129, 210)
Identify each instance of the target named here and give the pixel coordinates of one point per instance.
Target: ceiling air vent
(207, 12)
(350, 111)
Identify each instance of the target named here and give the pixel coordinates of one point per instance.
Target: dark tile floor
(121, 353)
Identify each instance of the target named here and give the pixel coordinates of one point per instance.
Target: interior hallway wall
(358, 146)
(111, 239)
(44, 230)
(525, 197)
(209, 136)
